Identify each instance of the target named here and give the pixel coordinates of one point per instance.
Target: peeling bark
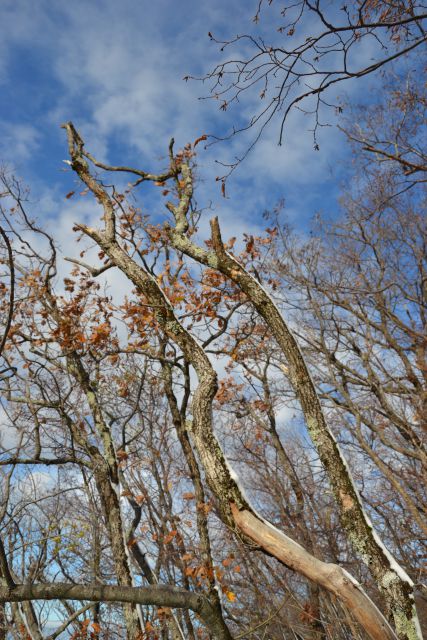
(330, 576)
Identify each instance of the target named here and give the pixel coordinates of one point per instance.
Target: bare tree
(387, 137)
(146, 506)
(315, 47)
(233, 506)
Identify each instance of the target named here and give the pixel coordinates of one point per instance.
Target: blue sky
(116, 69)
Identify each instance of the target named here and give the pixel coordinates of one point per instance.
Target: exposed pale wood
(330, 576)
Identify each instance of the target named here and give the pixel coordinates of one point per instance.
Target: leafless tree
(315, 47)
(143, 518)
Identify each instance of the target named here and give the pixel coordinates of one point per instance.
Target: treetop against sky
(208, 414)
(116, 70)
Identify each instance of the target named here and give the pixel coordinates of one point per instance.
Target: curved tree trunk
(391, 579)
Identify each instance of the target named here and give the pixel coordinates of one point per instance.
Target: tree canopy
(224, 437)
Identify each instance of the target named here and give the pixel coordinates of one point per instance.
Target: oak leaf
(201, 139)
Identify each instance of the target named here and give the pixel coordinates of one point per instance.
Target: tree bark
(160, 596)
(395, 585)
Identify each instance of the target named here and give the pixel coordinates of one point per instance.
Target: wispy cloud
(18, 141)
(116, 70)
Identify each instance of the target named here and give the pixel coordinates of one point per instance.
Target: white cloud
(9, 437)
(117, 70)
(18, 140)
